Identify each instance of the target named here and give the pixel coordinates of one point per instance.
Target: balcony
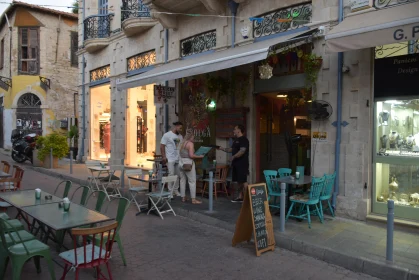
(97, 30)
(135, 17)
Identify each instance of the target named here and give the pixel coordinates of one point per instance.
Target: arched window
(29, 100)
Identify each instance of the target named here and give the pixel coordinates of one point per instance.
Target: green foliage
(312, 65)
(57, 142)
(75, 9)
(73, 134)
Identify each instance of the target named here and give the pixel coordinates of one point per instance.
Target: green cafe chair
(19, 250)
(326, 193)
(284, 172)
(85, 191)
(305, 201)
(66, 185)
(123, 205)
(15, 224)
(274, 190)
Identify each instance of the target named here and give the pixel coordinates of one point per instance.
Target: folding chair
(113, 182)
(161, 198)
(91, 178)
(136, 190)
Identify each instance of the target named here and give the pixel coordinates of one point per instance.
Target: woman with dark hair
(187, 167)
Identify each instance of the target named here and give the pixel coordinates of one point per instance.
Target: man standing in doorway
(169, 148)
(239, 160)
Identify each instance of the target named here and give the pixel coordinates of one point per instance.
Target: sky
(41, 2)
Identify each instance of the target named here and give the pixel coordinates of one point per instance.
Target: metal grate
(199, 43)
(98, 26)
(292, 18)
(134, 9)
(141, 60)
(100, 73)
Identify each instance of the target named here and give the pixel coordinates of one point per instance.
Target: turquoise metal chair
(284, 172)
(326, 194)
(274, 189)
(67, 187)
(307, 200)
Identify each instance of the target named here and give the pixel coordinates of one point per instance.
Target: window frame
(28, 45)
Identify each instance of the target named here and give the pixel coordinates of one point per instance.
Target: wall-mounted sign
(357, 5)
(164, 95)
(396, 76)
(319, 136)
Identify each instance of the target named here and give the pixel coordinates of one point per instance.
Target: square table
(146, 179)
(96, 179)
(55, 218)
(25, 198)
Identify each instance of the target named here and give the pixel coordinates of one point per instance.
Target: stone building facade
(38, 69)
(152, 26)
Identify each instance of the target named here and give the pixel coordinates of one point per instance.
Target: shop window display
(141, 126)
(397, 157)
(100, 123)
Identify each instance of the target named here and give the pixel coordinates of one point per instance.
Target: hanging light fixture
(265, 71)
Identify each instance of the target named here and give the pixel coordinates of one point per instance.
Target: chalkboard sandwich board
(255, 217)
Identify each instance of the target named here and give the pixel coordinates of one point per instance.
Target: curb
(382, 270)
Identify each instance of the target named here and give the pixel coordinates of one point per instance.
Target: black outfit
(240, 165)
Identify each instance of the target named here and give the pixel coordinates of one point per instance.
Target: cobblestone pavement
(178, 248)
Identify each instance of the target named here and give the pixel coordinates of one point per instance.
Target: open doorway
(284, 131)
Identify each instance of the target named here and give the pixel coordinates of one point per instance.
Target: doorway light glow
(281, 95)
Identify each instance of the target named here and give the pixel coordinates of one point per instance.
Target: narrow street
(178, 248)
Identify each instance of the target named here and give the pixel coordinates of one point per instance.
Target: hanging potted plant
(58, 144)
(312, 64)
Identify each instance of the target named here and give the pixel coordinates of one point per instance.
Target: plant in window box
(58, 144)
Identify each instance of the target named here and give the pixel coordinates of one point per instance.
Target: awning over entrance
(377, 28)
(210, 62)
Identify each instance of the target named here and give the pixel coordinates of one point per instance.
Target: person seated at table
(187, 156)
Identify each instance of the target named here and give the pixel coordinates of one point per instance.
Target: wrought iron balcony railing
(97, 26)
(134, 9)
(199, 43)
(282, 20)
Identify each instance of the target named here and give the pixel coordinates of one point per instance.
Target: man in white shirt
(169, 147)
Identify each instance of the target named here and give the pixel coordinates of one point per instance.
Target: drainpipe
(83, 90)
(339, 116)
(10, 45)
(233, 9)
(58, 37)
(166, 83)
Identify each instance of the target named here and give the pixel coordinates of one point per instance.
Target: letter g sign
(398, 34)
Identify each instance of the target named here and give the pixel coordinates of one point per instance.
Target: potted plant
(73, 135)
(58, 144)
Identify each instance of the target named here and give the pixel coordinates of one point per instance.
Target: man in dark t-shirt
(239, 160)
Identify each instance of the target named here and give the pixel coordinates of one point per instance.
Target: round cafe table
(290, 180)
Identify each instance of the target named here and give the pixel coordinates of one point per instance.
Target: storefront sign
(319, 136)
(357, 5)
(164, 95)
(396, 76)
(200, 132)
(410, 32)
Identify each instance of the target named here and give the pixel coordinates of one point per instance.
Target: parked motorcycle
(23, 146)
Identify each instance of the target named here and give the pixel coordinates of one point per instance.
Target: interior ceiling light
(281, 96)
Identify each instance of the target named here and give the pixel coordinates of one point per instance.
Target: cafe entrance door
(284, 131)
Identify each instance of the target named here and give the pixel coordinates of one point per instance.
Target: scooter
(23, 146)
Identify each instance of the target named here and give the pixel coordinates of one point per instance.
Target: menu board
(255, 218)
(257, 199)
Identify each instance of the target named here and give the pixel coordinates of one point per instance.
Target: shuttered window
(29, 50)
(74, 47)
(2, 54)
